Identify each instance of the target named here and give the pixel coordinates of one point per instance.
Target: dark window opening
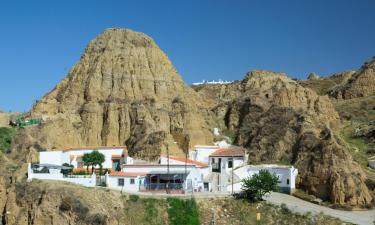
(132, 181)
(120, 182)
(230, 163)
(287, 181)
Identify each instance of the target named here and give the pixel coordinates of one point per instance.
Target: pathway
(303, 207)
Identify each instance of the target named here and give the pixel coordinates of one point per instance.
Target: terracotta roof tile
(229, 152)
(188, 161)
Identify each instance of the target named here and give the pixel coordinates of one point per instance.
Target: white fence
(55, 174)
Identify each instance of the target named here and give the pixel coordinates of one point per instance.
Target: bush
(67, 171)
(134, 198)
(260, 184)
(183, 212)
(284, 209)
(6, 136)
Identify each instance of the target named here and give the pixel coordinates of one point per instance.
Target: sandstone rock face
(6, 117)
(361, 84)
(325, 85)
(279, 121)
(60, 204)
(124, 90)
(313, 76)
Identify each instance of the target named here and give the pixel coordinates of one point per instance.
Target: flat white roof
(273, 166)
(206, 146)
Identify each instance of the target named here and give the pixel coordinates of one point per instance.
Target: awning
(166, 172)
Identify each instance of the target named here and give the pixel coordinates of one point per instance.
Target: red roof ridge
(189, 161)
(231, 151)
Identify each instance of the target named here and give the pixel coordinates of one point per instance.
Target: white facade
(194, 175)
(287, 175)
(113, 156)
(224, 162)
(201, 153)
(130, 183)
(201, 167)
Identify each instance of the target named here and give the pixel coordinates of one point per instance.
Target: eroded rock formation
(124, 90)
(361, 84)
(279, 121)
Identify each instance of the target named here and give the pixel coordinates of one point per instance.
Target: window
(120, 182)
(212, 161)
(287, 181)
(132, 181)
(230, 163)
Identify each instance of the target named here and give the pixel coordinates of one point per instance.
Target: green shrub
(260, 184)
(6, 136)
(134, 198)
(183, 212)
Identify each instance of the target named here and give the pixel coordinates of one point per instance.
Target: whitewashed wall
(61, 157)
(53, 157)
(202, 153)
(283, 172)
(237, 162)
(112, 182)
(194, 173)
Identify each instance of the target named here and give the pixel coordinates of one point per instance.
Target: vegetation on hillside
(260, 184)
(6, 136)
(183, 211)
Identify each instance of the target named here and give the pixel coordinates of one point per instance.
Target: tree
(93, 159)
(67, 170)
(86, 159)
(258, 185)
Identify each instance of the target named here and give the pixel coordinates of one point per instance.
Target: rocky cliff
(361, 83)
(279, 121)
(123, 90)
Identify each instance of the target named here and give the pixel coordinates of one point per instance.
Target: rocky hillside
(54, 203)
(280, 121)
(324, 85)
(123, 90)
(6, 117)
(361, 84)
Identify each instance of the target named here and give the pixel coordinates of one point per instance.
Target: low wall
(87, 181)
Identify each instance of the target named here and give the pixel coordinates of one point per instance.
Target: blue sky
(205, 39)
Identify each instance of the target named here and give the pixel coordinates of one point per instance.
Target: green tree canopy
(93, 159)
(260, 184)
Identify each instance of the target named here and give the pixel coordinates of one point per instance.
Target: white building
(53, 172)
(287, 175)
(225, 159)
(114, 157)
(156, 177)
(126, 181)
(201, 153)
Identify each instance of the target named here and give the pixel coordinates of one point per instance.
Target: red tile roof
(229, 152)
(94, 148)
(126, 174)
(188, 161)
